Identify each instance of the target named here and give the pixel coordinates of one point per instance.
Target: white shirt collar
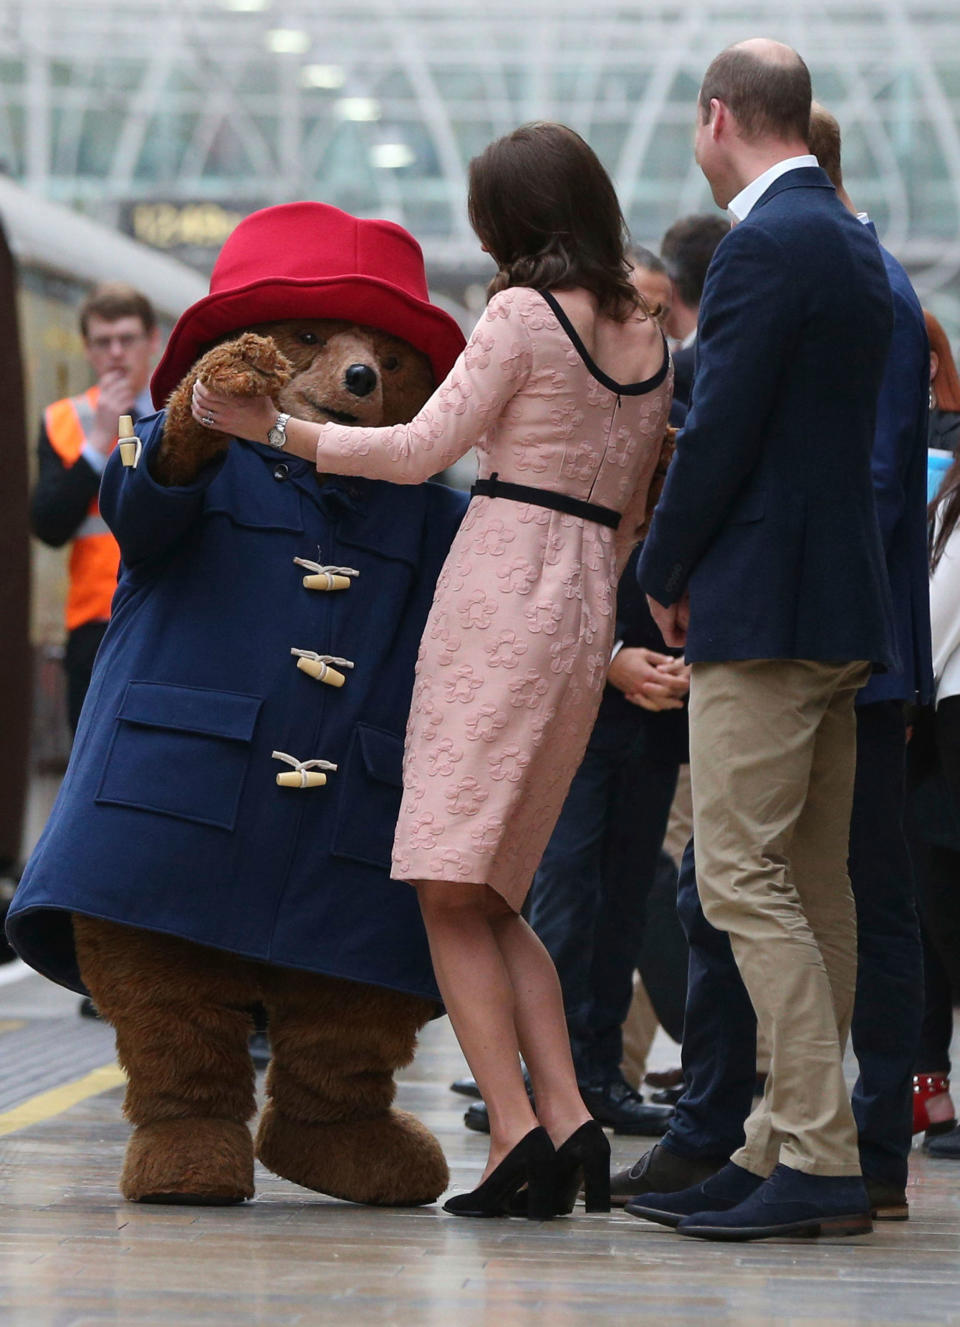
(688, 340)
(741, 206)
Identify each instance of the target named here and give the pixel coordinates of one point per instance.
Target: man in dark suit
(686, 250)
(765, 561)
(718, 1049)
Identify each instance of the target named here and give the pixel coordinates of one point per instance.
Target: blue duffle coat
(170, 817)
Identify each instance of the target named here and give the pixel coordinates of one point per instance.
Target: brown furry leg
(328, 1124)
(178, 1010)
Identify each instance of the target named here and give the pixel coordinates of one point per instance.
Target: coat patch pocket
(180, 751)
(370, 788)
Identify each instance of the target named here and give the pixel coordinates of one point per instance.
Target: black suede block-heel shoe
(583, 1158)
(533, 1162)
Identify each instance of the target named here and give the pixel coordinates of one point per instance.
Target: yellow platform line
(46, 1105)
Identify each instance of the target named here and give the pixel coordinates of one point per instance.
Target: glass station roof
(172, 119)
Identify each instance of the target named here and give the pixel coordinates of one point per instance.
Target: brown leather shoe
(664, 1078)
(661, 1171)
(887, 1201)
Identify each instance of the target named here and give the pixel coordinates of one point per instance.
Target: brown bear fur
(303, 366)
(182, 1012)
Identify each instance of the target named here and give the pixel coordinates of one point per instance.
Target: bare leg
(475, 984)
(541, 1028)
(500, 990)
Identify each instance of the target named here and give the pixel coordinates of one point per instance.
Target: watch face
(276, 437)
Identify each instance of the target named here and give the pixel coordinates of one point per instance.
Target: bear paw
(391, 1160)
(251, 365)
(195, 1162)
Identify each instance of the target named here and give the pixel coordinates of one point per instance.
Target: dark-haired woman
(944, 432)
(564, 388)
(933, 1106)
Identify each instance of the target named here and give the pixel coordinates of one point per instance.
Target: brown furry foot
(197, 1162)
(390, 1161)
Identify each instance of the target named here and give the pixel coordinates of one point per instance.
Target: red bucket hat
(310, 260)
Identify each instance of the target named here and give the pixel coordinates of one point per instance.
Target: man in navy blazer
(765, 561)
(719, 1043)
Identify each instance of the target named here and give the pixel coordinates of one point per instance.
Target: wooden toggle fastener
(130, 444)
(318, 666)
(305, 773)
(326, 578)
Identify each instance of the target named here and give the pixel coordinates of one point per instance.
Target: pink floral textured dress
(516, 647)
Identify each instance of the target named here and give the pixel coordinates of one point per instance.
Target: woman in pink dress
(564, 389)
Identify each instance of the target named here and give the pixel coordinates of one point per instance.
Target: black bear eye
(391, 362)
(309, 338)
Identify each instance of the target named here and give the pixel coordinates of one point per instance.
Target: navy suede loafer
(728, 1187)
(790, 1202)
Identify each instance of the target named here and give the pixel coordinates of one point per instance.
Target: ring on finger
(208, 421)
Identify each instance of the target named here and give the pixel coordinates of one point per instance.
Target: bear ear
(407, 387)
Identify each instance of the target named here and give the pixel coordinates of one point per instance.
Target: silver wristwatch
(277, 436)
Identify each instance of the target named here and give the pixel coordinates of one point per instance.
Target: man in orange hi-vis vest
(77, 435)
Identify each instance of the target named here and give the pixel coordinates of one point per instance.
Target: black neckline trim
(620, 388)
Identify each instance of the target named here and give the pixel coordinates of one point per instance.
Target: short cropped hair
(824, 140)
(648, 260)
(770, 98)
(687, 248)
(114, 300)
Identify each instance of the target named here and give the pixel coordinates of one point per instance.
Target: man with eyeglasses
(77, 435)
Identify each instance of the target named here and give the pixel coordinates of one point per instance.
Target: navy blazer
(684, 371)
(768, 515)
(900, 488)
(170, 817)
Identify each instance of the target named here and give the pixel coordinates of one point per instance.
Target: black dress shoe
(466, 1087)
(618, 1106)
(946, 1145)
(667, 1096)
(476, 1117)
(533, 1163)
(258, 1045)
(661, 1171)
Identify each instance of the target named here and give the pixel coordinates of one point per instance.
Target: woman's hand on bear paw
(240, 417)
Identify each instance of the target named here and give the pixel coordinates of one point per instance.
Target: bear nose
(360, 379)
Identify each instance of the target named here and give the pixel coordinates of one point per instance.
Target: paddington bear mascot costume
(222, 837)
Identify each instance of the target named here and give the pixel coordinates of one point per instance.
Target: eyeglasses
(125, 340)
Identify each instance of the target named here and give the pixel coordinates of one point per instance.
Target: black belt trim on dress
(494, 487)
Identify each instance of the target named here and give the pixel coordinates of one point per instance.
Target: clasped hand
(240, 417)
(648, 679)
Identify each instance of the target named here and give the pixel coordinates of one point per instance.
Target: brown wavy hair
(545, 209)
(946, 385)
(946, 504)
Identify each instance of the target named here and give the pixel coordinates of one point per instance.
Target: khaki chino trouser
(772, 762)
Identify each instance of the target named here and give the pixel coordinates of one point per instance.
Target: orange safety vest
(95, 555)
